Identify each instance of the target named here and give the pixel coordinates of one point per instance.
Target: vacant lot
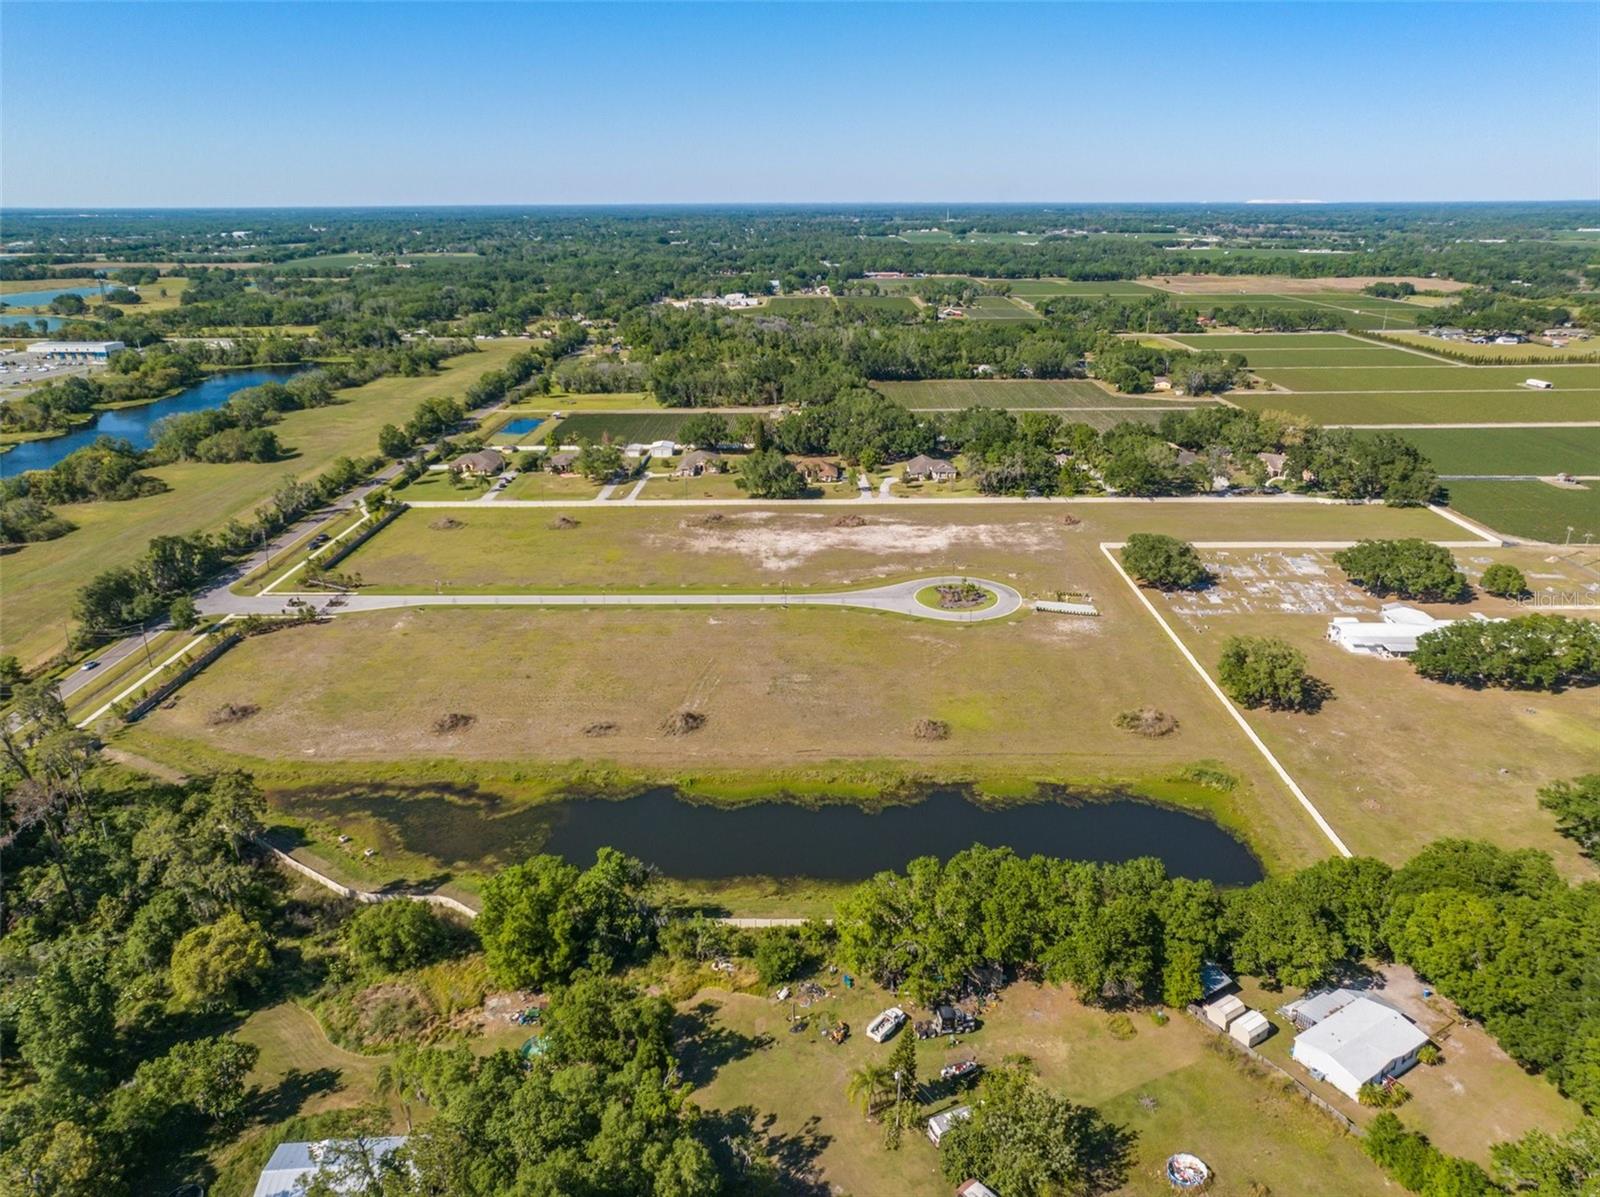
(996, 307)
(948, 394)
(1394, 760)
(1510, 450)
(621, 427)
(1419, 375)
(1167, 1084)
(1044, 288)
(37, 583)
(1533, 509)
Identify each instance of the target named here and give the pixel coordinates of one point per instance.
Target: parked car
(886, 1024)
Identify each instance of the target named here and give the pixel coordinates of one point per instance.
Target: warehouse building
(76, 351)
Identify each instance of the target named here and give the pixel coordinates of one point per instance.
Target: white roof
(940, 1123)
(1248, 1021)
(291, 1161)
(74, 346)
(1402, 614)
(1363, 1038)
(1314, 1007)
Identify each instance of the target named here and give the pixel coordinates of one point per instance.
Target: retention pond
(832, 841)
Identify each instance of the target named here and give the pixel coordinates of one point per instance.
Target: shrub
(1164, 562)
(395, 935)
(781, 956)
(1504, 580)
(1429, 1054)
(1147, 721)
(1260, 671)
(1415, 569)
(213, 962)
(1576, 806)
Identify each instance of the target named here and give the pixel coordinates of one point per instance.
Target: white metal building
(76, 351)
(1394, 634)
(290, 1162)
(1362, 1042)
(940, 1124)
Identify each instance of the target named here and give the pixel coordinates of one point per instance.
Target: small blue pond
(39, 299)
(519, 427)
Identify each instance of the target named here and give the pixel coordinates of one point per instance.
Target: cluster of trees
(1528, 652)
(129, 378)
(240, 429)
(1263, 671)
(1133, 367)
(1385, 290)
(134, 913)
(126, 596)
(1480, 310)
(1273, 318)
(1420, 1167)
(1164, 562)
(1499, 933)
(1414, 569)
(107, 470)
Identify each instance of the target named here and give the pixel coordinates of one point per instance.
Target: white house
(1393, 635)
(1363, 1042)
(294, 1165)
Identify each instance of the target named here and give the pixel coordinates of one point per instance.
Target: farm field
(1348, 286)
(997, 307)
(622, 426)
(899, 305)
(37, 582)
(1532, 509)
(1358, 311)
(1516, 405)
(1510, 450)
(952, 394)
(1418, 375)
(1394, 760)
(1044, 288)
(1168, 1085)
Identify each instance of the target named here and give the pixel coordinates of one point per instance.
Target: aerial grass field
(899, 305)
(37, 582)
(621, 426)
(952, 394)
(1514, 405)
(1043, 288)
(1358, 311)
(1394, 760)
(1419, 375)
(1510, 450)
(1533, 509)
(997, 307)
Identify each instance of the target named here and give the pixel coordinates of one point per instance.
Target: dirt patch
(683, 723)
(455, 721)
(1071, 521)
(850, 521)
(232, 712)
(931, 729)
(1148, 722)
(562, 522)
(599, 730)
(793, 542)
(447, 524)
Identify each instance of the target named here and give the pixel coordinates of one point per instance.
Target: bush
(1383, 1097)
(395, 935)
(1504, 580)
(1576, 806)
(1164, 562)
(1260, 671)
(1416, 569)
(212, 963)
(780, 956)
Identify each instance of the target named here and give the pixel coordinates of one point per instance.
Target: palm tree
(864, 1085)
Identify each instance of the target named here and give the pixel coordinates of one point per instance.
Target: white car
(886, 1024)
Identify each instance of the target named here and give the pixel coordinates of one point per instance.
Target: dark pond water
(836, 842)
(135, 424)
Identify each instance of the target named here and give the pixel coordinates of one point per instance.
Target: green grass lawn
(950, 394)
(541, 484)
(1276, 351)
(997, 307)
(1044, 288)
(1533, 509)
(38, 582)
(1419, 375)
(1510, 450)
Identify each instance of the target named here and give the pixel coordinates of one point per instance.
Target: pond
(830, 841)
(518, 427)
(39, 299)
(135, 424)
(30, 324)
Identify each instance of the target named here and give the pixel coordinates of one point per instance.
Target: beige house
(935, 469)
(562, 463)
(697, 462)
(480, 464)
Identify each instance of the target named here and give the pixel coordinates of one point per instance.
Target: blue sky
(243, 104)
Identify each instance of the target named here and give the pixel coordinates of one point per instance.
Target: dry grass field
(1393, 760)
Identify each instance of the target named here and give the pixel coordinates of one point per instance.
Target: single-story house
(1276, 463)
(1250, 1028)
(294, 1165)
(562, 463)
(935, 469)
(1363, 1042)
(482, 463)
(940, 1124)
(820, 470)
(1223, 1010)
(1394, 635)
(697, 462)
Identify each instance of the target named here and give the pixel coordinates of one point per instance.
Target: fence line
(1301, 1087)
(162, 692)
